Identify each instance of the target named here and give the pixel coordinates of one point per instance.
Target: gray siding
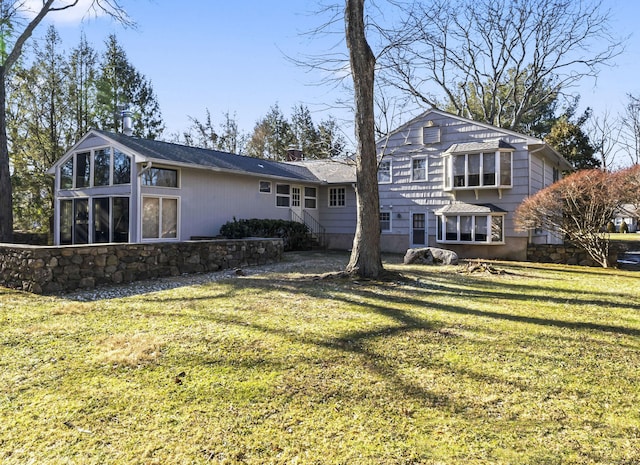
(403, 196)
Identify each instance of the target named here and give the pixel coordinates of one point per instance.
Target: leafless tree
(498, 61)
(630, 129)
(18, 20)
(604, 134)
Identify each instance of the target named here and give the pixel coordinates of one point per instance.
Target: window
(121, 168)
(419, 169)
(95, 169)
(101, 167)
(337, 196)
(556, 174)
(83, 169)
(384, 172)
(159, 218)
(310, 197)
(471, 228)
(160, 177)
(265, 187)
(111, 219)
(283, 195)
(66, 222)
(478, 170)
(385, 221)
(66, 174)
(101, 223)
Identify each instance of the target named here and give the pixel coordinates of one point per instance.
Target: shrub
(611, 228)
(295, 235)
(624, 227)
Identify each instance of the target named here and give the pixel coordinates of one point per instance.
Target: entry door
(419, 229)
(296, 203)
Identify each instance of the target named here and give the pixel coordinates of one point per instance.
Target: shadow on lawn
(378, 297)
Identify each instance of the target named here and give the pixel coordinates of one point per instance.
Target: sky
(236, 57)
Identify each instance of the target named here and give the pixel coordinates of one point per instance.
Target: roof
(469, 208)
(331, 171)
(155, 150)
(488, 146)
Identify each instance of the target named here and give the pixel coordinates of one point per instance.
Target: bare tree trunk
(365, 258)
(6, 203)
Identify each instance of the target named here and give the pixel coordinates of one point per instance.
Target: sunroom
(464, 223)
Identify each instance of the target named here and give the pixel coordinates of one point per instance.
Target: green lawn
(537, 365)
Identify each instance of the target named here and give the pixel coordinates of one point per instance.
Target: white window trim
(92, 153)
(278, 195)
(442, 224)
(164, 167)
(390, 221)
(448, 160)
(344, 204)
(178, 214)
(426, 169)
(265, 191)
(305, 197)
(389, 161)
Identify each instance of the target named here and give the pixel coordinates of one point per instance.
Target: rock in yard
(430, 256)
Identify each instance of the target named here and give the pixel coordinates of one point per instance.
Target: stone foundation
(48, 270)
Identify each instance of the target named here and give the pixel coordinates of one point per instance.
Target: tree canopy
(503, 62)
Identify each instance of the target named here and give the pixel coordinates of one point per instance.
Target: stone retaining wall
(47, 270)
(568, 254)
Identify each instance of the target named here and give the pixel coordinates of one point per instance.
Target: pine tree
(81, 91)
(121, 86)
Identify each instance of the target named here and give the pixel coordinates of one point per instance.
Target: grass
(537, 365)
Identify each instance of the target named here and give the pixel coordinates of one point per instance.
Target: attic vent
(430, 134)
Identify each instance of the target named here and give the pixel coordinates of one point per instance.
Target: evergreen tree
(272, 136)
(38, 128)
(82, 89)
(570, 140)
(305, 134)
(121, 86)
(331, 142)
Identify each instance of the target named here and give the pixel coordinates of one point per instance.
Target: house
(629, 214)
(444, 181)
(447, 181)
(116, 188)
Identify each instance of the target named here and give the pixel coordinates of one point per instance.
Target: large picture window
(93, 220)
(159, 218)
(478, 170)
(100, 167)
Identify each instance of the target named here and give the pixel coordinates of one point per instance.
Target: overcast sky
(232, 56)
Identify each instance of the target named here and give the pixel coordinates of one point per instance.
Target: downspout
(138, 221)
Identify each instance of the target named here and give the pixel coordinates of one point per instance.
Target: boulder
(430, 256)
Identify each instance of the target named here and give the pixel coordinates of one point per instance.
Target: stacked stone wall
(49, 270)
(567, 254)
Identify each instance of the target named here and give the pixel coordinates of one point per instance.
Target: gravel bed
(299, 262)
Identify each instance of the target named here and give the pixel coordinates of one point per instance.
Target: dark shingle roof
(213, 159)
